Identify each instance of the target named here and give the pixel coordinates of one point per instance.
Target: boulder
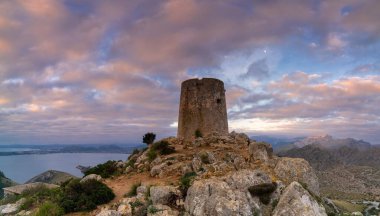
(109, 213)
(215, 197)
(260, 151)
(156, 161)
(163, 194)
(296, 201)
(240, 138)
(12, 208)
(243, 179)
(297, 169)
(156, 170)
(125, 209)
(91, 176)
(128, 169)
(161, 210)
(196, 164)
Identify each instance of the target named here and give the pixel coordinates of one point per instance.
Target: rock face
(297, 169)
(11, 208)
(260, 151)
(163, 194)
(202, 107)
(161, 210)
(225, 196)
(295, 201)
(90, 177)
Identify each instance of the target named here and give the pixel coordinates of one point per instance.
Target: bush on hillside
(186, 181)
(163, 148)
(105, 170)
(152, 154)
(85, 196)
(133, 191)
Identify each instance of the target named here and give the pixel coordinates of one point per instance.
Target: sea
(21, 168)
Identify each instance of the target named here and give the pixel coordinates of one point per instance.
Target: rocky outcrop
(109, 213)
(11, 208)
(260, 151)
(296, 201)
(297, 169)
(91, 177)
(215, 197)
(161, 210)
(226, 195)
(164, 194)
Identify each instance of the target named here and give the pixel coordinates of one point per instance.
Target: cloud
(258, 70)
(93, 71)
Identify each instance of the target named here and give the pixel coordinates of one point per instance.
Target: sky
(95, 71)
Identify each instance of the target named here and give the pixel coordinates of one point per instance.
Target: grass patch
(347, 206)
(50, 209)
(186, 181)
(204, 158)
(152, 154)
(133, 191)
(163, 148)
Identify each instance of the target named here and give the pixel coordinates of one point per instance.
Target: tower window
(218, 101)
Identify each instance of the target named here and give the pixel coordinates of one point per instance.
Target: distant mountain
(344, 166)
(5, 182)
(327, 141)
(276, 142)
(51, 177)
(80, 148)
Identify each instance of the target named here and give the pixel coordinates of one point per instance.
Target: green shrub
(50, 209)
(131, 163)
(186, 181)
(263, 191)
(152, 154)
(153, 210)
(163, 148)
(204, 158)
(105, 170)
(133, 191)
(84, 196)
(198, 133)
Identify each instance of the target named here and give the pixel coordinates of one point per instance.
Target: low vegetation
(163, 148)
(50, 209)
(198, 133)
(77, 196)
(72, 196)
(105, 170)
(186, 181)
(133, 191)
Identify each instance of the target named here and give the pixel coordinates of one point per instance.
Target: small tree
(149, 138)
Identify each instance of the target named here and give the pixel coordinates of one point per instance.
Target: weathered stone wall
(202, 107)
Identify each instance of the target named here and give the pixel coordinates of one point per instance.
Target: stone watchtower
(202, 107)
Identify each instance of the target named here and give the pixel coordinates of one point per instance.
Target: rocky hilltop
(51, 177)
(216, 175)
